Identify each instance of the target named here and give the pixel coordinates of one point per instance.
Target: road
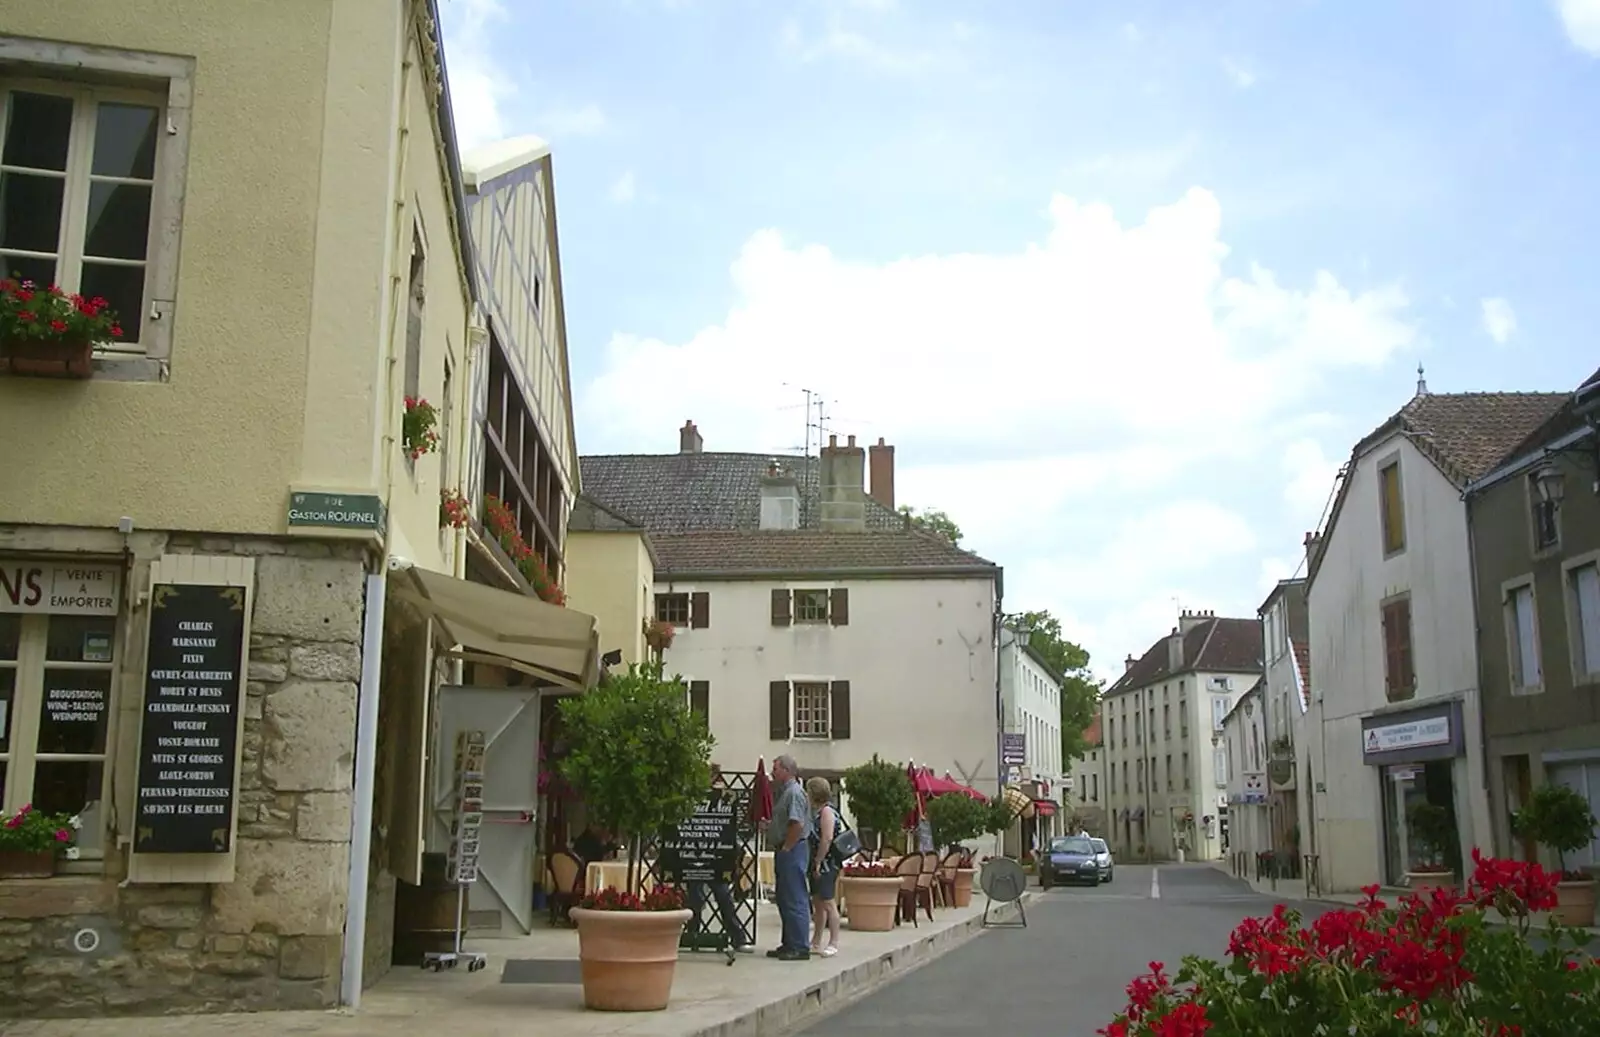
(1066, 972)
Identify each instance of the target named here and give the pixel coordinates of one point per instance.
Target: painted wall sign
(188, 743)
(79, 589)
(336, 510)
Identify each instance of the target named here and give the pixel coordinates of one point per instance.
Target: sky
(1123, 282)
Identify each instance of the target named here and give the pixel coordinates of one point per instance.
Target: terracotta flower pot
(38, 359)
(963, 887)
(27, 864)
(628, 957)
(1423, 882)
(1575, 903)
(872, 902)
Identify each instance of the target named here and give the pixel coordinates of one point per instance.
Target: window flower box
(46, 333)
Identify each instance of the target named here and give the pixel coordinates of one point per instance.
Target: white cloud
(585, 120)
(1309, 475)
(836, 42)
(1132, 33)
(479, 85)
(1499, 319)
(1103, 370)
(1581, 19)
(1240, 76)
(625, 189)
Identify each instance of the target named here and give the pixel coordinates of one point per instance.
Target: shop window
(55, 711)
(1405, 788)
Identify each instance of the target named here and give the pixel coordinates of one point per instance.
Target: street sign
(1013, 749)
(336, 511)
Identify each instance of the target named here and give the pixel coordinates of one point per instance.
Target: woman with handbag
(826, 829)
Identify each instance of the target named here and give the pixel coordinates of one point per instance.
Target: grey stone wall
(272, 938)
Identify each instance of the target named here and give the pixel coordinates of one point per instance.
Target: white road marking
(1155, 883)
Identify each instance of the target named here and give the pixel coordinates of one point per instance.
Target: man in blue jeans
(788, 833)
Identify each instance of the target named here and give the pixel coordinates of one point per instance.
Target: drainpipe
(1477, 656)
(999, 716)
(362, 794)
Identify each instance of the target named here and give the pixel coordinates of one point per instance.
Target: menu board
(189, 741)
(704, 847)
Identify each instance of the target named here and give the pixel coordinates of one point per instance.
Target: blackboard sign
(189, 741)
(704, 848)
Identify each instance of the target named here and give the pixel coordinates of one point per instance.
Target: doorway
(1405, 787)
(502, 898)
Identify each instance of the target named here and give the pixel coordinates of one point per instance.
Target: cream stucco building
(1393, 718)
(234, 549)
(1166, 763)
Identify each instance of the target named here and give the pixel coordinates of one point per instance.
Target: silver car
(1102, 855)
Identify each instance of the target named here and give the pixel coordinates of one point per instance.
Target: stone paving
(754, 995)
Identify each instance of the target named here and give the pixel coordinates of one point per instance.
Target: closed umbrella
(919, 808)
(761, 795)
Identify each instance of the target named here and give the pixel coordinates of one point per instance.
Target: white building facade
(1244, 773)
(1031, 703)
(1165, 761)
(1394, 692)
(1084, 798)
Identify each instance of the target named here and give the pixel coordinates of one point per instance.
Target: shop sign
(1413, 737)
(703, 848)
(78, 589)
(189, 740)
(336, 511)
(1013, 749)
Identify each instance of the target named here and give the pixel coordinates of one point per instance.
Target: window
(1166, 721)
(1219, 710)
(672, 608)
(416, 294)
(446, 423)
(811, 709)
(1185, 770)
(1400, 679)
(810, 606)
(1522, 640)
(1111, 730)
(1220, 764)
(1170, 784)
(1124, 777)
(79, 195)
(1094, 781)
(1139, 773)
(55, 708)
(1545, 512)
(1584, 592)
(1391, 509)
(1183, 718)
(1138, 729)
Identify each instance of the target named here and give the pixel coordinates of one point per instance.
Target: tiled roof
(1091, 734)
(676, 493)
(1217, 644)
(757, 552)
(1559, 424)
(590, 516)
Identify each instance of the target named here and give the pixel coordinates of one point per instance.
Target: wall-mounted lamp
(1550, 485)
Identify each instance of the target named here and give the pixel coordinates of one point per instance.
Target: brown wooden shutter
(1402, 622)
(700, 700)
(778, 710)
(839, 710)
(782, 615)
(1391, 673)
(839, 606)
(699, 609)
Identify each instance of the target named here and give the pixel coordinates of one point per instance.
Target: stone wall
(272, 938)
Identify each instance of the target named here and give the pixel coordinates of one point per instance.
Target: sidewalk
(710, 998)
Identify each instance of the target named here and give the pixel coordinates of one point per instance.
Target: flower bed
(661, 898)
(1430, 964)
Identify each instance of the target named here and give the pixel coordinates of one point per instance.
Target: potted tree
(640, 760)
(1432, 830)
(955, 819)
(880, 795)
(872, 890)
(1559, 819)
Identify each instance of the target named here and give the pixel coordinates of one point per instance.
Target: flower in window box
(454, 510)
(46, 332)
(31, 841)
(417, 435)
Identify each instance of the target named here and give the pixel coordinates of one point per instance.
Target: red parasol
(919, 811)
(761, 795)
(947, 784)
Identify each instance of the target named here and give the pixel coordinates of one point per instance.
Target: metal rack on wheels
(463, 860)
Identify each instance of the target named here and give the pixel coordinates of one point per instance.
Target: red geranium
(1430, 964)
(661, 898)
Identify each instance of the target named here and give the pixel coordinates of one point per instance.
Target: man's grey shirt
(791, 805)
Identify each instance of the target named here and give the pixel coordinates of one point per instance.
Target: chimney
(1313, 543)
(1175, 644)
(780, 497)
(843, 483)
(880, 460)
(1128, 664)
(1189, 620)
(689, 441)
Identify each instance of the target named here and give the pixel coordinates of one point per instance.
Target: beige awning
(502, 628)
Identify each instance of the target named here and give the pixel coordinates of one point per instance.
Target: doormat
(542, 970)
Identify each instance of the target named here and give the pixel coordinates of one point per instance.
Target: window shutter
(781, 614)
(1402, 622)
(700, 700)
(839, 606)
(1391, 670)
(778, 707)
(699, 609)
(839, 710)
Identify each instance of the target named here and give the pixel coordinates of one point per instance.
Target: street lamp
(1549, 485)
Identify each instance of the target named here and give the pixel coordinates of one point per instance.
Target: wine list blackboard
(705, 847)
(189, 740)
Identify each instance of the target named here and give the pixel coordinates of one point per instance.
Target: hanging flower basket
(658, 635)
(454, 511)
(46, 333)
(417, 428)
